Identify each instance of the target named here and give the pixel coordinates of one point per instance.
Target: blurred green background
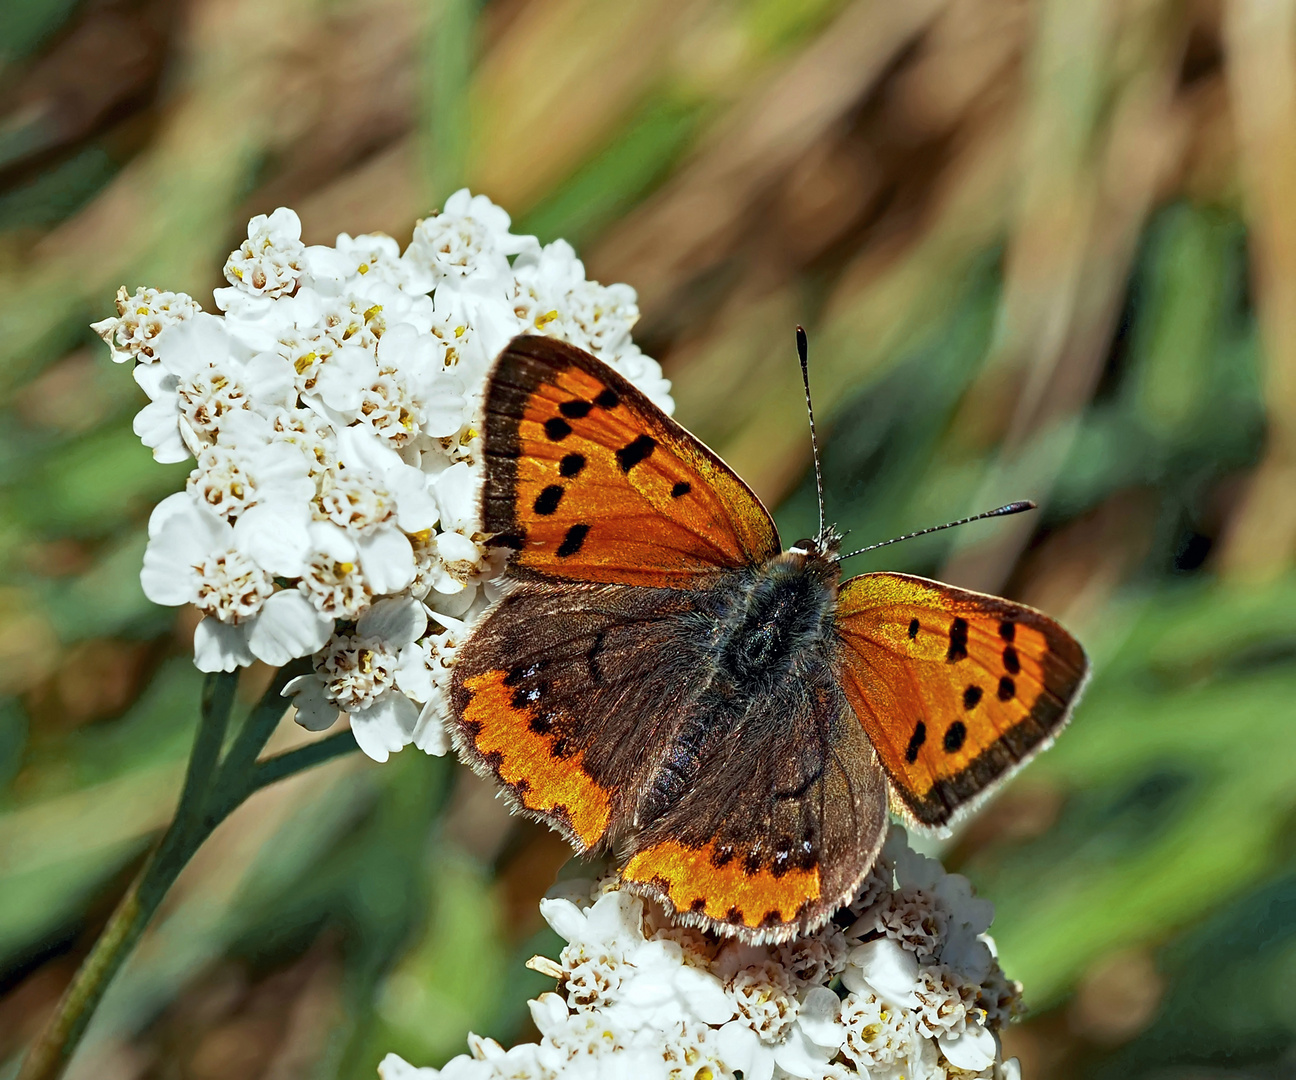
(1044, 248)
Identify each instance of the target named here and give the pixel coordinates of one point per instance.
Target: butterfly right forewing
(956, 689)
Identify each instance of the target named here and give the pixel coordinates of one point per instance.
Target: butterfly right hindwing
(783, 816)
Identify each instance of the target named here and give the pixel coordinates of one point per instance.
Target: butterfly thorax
(780, 616)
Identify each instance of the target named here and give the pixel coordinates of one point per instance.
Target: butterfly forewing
(587, 480)
(954, 688)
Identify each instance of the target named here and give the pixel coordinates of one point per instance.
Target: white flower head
(271, 259)
(140, 320)
(331, 407)
(356, 674)
(332, 579)
(227, 571)
(468, 244)
(876, 1034)
(353, 262)
(231, 480)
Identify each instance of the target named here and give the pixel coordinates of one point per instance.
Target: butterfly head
(824, 547)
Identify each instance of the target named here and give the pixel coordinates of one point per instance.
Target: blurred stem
(214, 787)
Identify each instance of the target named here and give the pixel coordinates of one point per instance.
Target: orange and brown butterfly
(664, 681)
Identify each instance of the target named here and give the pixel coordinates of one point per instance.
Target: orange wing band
(690, 879)
(551, 786)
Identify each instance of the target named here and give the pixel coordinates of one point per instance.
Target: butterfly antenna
(1002, 511)
(803, 351)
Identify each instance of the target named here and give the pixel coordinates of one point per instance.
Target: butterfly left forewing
(587, 480)
(955, 689)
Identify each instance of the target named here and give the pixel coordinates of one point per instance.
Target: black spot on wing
(572, 541)
(1011, 663)
(571, 465)
(607, 399)
(915, 742)
(782, 862)
(557, 429)
(958, 639)
(1007, 630)
(635, 451)
(526, 696)
(575, 410)
(971, 697)
(548, 499)
(1007, 689)
(955, 736)
(914, 626)
(682, 488)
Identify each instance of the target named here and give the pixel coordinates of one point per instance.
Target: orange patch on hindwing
(693, 880)
(503, 735)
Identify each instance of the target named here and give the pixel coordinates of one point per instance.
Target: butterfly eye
(804, 547)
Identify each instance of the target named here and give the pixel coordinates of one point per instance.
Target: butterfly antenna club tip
(803, 354)
(1019, 507)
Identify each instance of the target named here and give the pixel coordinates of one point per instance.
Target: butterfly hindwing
(955, 689)
(567, 694)
(784, 816)
(587, 480)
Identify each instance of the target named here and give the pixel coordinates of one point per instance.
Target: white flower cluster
(909, 989)
(332, 412)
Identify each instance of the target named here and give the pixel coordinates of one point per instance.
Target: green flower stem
(270, 769)
(217, 703)
(261, 721)
(214, 787)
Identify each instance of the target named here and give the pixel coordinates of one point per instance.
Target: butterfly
(663, 680)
